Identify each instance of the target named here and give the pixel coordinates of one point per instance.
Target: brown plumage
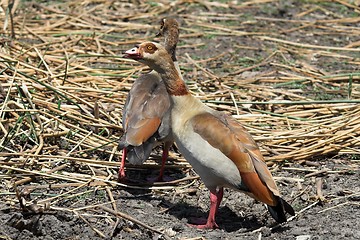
(220, 150)
(146, 113)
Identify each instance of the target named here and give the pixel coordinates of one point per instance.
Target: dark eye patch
(150, 48)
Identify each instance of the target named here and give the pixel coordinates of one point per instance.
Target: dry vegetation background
(287, 70)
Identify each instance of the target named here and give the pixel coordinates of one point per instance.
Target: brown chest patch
(177, 88)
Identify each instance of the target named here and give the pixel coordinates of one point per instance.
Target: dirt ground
(324, 190)
(239, 217)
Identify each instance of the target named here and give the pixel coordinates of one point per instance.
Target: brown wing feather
(253, 150)
(147, 128)
(146, 105)
(227, 135)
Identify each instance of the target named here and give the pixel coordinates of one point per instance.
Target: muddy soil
(334, 215)
(239, 216)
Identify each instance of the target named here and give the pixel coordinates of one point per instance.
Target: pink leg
(220, 195)
(121, 174)
(164, 156)
(215, 199)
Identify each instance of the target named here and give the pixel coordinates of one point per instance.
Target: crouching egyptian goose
(219, 149)
(146, 113)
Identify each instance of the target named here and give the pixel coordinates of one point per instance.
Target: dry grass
(63, 83)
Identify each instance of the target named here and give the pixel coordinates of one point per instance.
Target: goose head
(168, 25)
(152, 54)
(169, 29)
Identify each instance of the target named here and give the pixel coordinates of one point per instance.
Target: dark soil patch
(239, 216)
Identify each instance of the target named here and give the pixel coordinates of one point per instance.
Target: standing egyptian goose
(219, 149)
(146, 113)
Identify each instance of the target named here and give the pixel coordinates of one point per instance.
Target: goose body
(206, 160)
(146, 124)
(146, 113)
(219, 148)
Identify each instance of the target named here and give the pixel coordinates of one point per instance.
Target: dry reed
(63, 83)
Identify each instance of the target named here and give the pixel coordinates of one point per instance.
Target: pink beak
(133, 53)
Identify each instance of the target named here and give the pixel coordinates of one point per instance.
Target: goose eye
(162, 23)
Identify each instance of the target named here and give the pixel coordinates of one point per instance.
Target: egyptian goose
(146, 115)
(219, 149)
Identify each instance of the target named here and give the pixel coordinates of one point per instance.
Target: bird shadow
(147, 177)
(226, 218)
(148, 173)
